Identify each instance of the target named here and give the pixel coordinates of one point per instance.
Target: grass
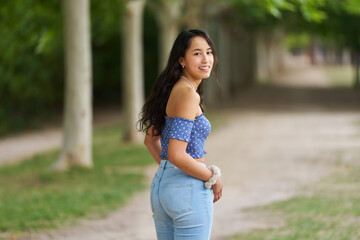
(332, 211)
(340, 76)
(33, 198)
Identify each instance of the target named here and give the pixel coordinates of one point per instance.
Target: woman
(176, 129)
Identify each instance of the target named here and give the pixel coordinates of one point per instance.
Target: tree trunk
(168, 33)
(262, 74)
(77, 137)
(167, 15)
(170, 15)
(212, 89)
(224, 55)
(357, 69)
(133, 76)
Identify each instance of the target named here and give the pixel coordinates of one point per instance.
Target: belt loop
(162, 164)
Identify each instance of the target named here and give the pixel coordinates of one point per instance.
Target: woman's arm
(153, 144)
(177, 155)
(186, 104)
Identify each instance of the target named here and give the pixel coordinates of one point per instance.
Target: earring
(183, 66)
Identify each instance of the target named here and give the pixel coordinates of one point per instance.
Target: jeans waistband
(167, 164)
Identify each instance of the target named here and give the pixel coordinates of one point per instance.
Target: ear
(182, 61)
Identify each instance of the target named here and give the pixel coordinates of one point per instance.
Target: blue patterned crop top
(194, 132)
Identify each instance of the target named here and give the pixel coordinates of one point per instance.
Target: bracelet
(214, 177)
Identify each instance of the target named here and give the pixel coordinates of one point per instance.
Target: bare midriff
(197, 159)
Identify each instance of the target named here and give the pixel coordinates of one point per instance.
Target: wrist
(218, 181)
(215, 176)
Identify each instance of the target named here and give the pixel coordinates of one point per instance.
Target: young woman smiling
(176, 129)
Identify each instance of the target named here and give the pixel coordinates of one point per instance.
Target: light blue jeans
(182, 207)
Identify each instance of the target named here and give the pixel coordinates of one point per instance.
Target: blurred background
(74, 76)
(255, 41)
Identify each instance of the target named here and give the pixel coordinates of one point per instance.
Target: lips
(205, 68)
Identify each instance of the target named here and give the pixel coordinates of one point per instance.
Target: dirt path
(16, 148)
(299, 73)
(274, 142)
(264, 157)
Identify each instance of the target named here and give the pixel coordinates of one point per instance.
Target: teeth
(205, 68)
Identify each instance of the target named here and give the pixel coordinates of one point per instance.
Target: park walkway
(25, 145)
(273, 142)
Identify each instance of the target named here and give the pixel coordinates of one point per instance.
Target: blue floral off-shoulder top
(194, 132)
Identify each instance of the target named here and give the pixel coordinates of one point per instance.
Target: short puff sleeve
(181, 128)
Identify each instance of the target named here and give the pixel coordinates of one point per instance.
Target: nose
(205, 58)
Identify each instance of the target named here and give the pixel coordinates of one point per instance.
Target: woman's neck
(195, 83)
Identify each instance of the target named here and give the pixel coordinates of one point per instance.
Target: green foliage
(259, 14)
(33, 198)
(340, 26)
(32, 65)
(297, 40)
(352, 6)
(332, 19)
(151, 50)
(265, 14)
(311, 10)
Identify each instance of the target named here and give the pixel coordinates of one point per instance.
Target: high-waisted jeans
(182, 207)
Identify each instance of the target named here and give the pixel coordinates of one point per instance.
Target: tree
(30, 82)
(77, 134)
(263, 22)
(172, 16)
(338, 24)
(167, 15)
(343, 27)
(133, 76)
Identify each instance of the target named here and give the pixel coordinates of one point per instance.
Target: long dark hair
(154, 110)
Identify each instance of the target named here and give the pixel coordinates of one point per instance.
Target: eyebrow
(198, 49)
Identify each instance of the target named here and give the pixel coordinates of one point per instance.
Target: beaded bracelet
(214, 177)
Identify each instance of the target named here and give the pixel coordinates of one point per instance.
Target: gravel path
(273, 143)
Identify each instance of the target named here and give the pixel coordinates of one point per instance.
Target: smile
(205, 68)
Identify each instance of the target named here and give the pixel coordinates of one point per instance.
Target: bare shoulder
(186, 93)
(183, 102)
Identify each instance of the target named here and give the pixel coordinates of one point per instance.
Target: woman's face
(198, 60)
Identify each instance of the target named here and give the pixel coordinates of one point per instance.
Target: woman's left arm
(153, 144)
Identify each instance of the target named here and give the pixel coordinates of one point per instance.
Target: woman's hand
(217, 190)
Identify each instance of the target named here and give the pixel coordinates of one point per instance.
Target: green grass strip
(331, 213)
(34, 198)
(340, 75)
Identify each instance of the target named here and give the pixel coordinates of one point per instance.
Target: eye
(209, 52)
(197, 53)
